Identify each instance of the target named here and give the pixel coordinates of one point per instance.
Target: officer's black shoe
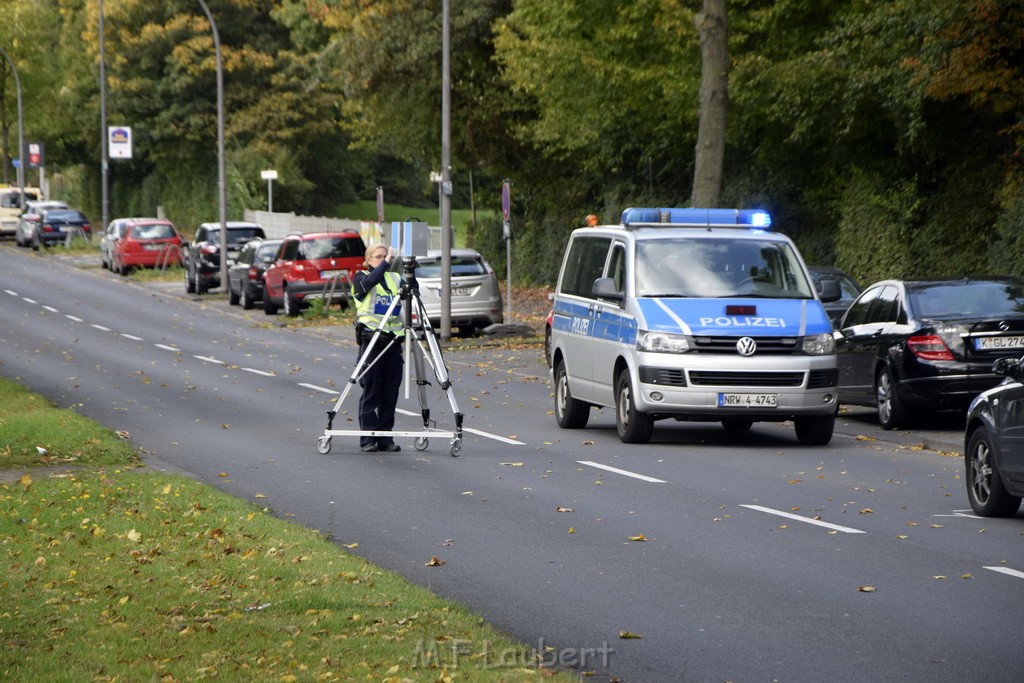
(391, 447)
(369, 448)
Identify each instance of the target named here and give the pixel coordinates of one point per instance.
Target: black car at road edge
(994, 444)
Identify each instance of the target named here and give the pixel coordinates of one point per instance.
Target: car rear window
(57, 214)
(330, 247)
(236, 236)
(969, 299)
(461, 265)
(152, 231)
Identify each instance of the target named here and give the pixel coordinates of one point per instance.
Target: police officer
(374, 289)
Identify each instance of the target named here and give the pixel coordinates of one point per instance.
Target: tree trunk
(714, 100)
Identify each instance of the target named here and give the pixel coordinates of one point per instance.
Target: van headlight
(661, 342)
(819, 344)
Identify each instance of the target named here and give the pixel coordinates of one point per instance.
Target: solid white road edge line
(625, 473)
(1007, 570)
(798, 518)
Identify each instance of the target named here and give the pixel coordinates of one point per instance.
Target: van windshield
(719, 268)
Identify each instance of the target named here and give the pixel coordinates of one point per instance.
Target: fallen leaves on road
(435, 561)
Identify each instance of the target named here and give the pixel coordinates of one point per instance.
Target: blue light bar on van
(753, 218)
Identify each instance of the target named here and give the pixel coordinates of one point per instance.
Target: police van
(692, 314)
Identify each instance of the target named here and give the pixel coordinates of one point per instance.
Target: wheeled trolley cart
(421, 349)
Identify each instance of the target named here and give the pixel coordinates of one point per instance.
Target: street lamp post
(446, 175)
(104, 133)
(21, 132)
(221, 175)
(270, 175)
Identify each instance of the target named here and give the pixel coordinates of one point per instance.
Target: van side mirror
(828, 291)
(604, 288)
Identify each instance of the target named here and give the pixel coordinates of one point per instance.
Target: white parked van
(11, 204)
(692, 314)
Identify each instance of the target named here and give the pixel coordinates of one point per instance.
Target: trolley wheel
(323, 444)
(421, 443)
(455, 448)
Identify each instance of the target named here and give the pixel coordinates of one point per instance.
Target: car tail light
(252, 274)
(47, 227)
(208, 249)
(929, 347)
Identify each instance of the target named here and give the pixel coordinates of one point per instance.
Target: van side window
(584, 264)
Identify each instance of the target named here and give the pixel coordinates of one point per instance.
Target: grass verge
(113, 572)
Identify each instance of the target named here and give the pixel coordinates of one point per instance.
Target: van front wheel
(570, 413)
(815, 431)
(632, 425)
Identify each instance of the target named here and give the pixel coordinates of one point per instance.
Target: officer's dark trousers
(380, 394)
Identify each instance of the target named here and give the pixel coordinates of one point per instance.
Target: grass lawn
(112, 572)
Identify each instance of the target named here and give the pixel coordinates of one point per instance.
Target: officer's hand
(392, 254)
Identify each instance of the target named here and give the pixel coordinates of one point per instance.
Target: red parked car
(147, 243)
(319, 265)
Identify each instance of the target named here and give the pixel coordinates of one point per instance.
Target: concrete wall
(278, 225)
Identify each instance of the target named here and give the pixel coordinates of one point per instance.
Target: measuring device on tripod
(421, 350)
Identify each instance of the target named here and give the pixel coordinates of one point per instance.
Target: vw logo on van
(746, 346)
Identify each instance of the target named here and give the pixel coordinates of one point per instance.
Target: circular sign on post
(506, 201)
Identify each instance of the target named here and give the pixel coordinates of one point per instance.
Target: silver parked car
(994, 444)
(476, 296)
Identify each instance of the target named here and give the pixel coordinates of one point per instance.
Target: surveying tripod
(421, 346)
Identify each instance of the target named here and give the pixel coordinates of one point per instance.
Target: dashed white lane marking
(316, 388)
(625, 473)
(805, 520)
(31, 301)
(503, 439)
(1007, 571)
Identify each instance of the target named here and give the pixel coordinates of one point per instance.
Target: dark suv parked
(202, 255)
(319, 265)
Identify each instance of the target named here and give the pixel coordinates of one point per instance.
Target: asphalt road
(730, 556)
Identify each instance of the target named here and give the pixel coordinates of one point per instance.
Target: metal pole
(104, 134)
(446, 177)
(221, 174)
(270, 195)
(21, 132)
